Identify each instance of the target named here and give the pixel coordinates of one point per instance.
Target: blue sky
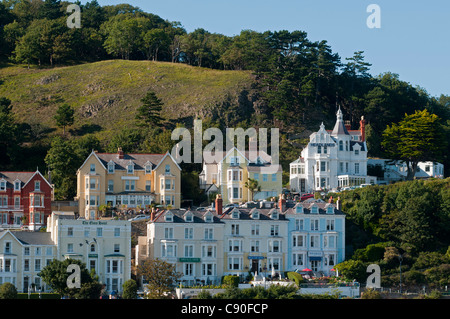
(413, 41)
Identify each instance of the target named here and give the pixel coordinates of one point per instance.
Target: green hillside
(106, 94)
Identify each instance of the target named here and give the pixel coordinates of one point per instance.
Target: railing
(11, 207)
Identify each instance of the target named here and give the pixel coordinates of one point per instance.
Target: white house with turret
(332, 159)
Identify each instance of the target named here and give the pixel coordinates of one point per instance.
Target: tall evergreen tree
(150, 110)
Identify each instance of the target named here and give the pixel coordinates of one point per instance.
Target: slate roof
(33, 238)
(139, 160)
(10, 177)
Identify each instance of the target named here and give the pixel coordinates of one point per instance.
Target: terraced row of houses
(206, 245)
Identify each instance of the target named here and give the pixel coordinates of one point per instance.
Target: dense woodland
(298, 83)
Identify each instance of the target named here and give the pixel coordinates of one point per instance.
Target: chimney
(339, 203)
(348, 126)
(282, 203)
(362, 128)
(152, 214)
(120, 152)
(219, 204)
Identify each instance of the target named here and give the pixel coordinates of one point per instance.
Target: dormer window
(255, 214)
(314, 209)
(274, 214)
(169, 217)
(2, 185)
(148, 168)
(208, 217)
(299, 209)
(130, 168)
(188, 217)
(17, 184)
(111, 167)
(330, 209)
(235, 214)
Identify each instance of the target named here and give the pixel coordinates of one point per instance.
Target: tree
(129, 289)
(150, 110)
(8, 291)
(55, 275)
(64, 116)
(161, 277)
(418, 137)
(253, 186)
(154, 41)
(62, 161)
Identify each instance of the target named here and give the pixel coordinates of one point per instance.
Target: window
(274, 177)
(264, 177)
(111, 167)
(17, 201)
(130, 185)
(37, 185)
(356, 152)
(314, 241)
(208, 269)
(116, 232)
(148, 186)
(7, 248)
(26, 265)
(298, 259)
(117, 248)
(17, 185)
(341, 145)
(188, 251)
(314, 210)
(167, 170)
(169, 250)
(70, 231)
(2, 185)
(299, 224)
(234, 263)
(314, 224)
(298, 241)
(70, 248)
(256, 176)
(274, 246)
(209, 233)
(189, 218)
(99, 232)
(356, 168)
(148, 169)
(209, 251)
(188, 269)
(168, 233)
(234, 245)
(92, 169)
(255, 230)
(274, 230)
(130, 168)
(188, 233)
(254, 246)
(86, 232)
(37, 265)
(234, 229)
(319, 149)
(330, 224)
(110, 185)
(323, 166)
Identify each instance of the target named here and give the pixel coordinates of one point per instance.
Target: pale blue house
(316, 236)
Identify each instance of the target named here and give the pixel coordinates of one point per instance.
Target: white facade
(103, 245)
(191, 240)
(331, 160)
(397, 170)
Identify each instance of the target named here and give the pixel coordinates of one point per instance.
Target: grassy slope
(106, 94)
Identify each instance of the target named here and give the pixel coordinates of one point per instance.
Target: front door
(255, 265)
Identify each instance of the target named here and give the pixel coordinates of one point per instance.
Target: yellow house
(127, 181)
(234, 170)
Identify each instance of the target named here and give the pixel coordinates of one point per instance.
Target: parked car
(139, 217)
(306, 196)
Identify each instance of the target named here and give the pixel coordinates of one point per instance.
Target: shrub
(295, 277)
(8, 291)
(231, 281)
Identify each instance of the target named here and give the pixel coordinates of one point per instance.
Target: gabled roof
(24, 177)
(30, 237)
(178, 216)
(139, 160)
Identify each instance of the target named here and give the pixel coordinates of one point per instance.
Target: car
(232, 205)
(306, 196)
(139, 217)
(201, 209)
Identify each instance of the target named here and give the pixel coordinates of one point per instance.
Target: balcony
(12, 208)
